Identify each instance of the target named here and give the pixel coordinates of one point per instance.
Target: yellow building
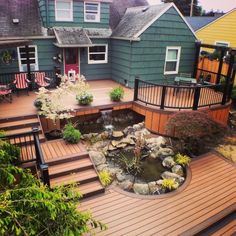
(221, 31)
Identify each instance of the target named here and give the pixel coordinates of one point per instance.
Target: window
(23, 60)
(172, 60)
(219, 43)
(64, 10)
(97, 54)
(91, 12)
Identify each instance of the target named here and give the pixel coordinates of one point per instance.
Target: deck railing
(180, 97)
(8, 78)
(30, 151)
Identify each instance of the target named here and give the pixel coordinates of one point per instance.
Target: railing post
(198, 47)
(45, 174)
(196, 97)
(136, 85)
(163, 95)
(222, 54)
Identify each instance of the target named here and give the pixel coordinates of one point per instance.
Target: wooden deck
(209, 196)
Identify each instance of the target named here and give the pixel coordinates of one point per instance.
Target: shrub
(194, 132)
(84, 98)
(71, 134)
(182, 160)
(38, 104)
(117, 94)
(169, 184)
(2, 133)
(31, 208)
(105, 177)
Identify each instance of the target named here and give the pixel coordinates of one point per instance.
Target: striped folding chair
(41, 79)
(21, 82)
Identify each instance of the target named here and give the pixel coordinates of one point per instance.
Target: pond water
(108, 120)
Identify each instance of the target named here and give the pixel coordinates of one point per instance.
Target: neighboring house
(197, 22)
(152, 42)
(220, 31)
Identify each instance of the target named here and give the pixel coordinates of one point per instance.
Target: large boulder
(168, 162)
(117, 134)
(154, 187)
(178, 169)
(164, 152)
(141, 189)
(98, 158)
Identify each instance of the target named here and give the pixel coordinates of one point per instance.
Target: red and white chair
(41, 80)
(21, 82)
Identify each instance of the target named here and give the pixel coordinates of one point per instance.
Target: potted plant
(84, 98)
(71, 134)
(117, 94)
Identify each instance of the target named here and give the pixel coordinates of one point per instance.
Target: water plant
(182, 160)
(71, 134)
(169, 184)
(117, 94)
(105, 177)
(84, 98)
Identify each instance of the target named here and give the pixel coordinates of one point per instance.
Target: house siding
(78, 16)
(43, 11)
(95, 71)
(147, 57)
(222, 29)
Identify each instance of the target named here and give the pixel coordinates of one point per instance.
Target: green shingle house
(100, 39)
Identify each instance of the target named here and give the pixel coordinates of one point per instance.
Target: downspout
(130, 60)
(47, 23)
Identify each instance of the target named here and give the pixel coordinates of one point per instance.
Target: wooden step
(91, 189)
(68, 158)
(34, 122)
(82, 177)
(70, 167)
(21, 130)
(26, 140)
(24, 117)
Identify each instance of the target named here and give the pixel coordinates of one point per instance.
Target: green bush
(194, 132)
(169, 184)
(182, 160)
(105, 177)
(2, 133)
(117, 94)
(71, 134)
(27, 207)
(84, 98)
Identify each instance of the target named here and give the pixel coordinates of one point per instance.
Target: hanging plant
(6, 57)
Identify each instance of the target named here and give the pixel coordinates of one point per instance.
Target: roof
(118, 8)
(27, 13)
(197, 22)
(137, 19)
(13, 43)
(71, 37)
(98, 32)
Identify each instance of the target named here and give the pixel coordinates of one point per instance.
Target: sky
(221, 5)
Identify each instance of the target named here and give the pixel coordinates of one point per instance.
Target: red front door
(71, 61)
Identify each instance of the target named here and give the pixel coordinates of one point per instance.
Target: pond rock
(155, 153)
(97, 157)
(141, 189)
(178, 169)
(100, 145)
(111, 148)
(154, 187)
(168, 162)
(142, 132)
(128, 140)
(102, 167)
(164, 152)
(152, 142)
(126, 185)
(114, 171)
(120, 177)
(180, 180)
(121, 145)
(169, 175)
(117, 134)
(128, 130)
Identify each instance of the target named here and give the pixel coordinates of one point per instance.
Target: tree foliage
(28, 207)
(185, 5)
(194, 131)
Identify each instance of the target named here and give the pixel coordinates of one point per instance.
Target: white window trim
(224, 42)
(71, 11)
(178, 61)
(99, 62)
(99, 12)
(36, 58)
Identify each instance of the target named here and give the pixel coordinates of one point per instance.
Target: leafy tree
(28, 207)
(185, 5)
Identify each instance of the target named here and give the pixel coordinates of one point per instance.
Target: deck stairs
(22, 124)
(77, 168)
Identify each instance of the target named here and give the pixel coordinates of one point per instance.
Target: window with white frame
(97, 54)
(91, 11)
(220, 43)
(64, 10)
(33, 57)
(172, 60)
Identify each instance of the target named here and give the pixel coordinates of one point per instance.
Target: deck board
(210, 191)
